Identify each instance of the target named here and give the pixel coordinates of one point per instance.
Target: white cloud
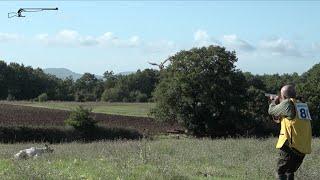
(280, 46)
(201, 38)
(201, 35)
(107, 39)
(9, 37)
(134, 41)
(161, 46)
(316, 47)
(68, 35)
(73, 38)
(234, 42)
(88, 41)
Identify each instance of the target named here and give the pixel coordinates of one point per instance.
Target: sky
(96, 36)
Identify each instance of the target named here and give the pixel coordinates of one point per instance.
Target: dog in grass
(33, 152)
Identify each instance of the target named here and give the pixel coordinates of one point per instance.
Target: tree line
(19, 82)
(200, 88)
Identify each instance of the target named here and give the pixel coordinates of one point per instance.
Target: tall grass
(161, 158)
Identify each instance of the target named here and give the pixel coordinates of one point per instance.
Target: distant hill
(126, 73)
(63, 73)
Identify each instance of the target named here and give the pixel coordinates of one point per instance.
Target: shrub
(43, 97)
(79, 97)
(42, 134)
(137, 96)
(81, 120)
(10, 97)
(111, 95)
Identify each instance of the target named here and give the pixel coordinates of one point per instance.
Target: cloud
(201, 38)
(73, 38)
(280, 46)
(234, 42)
(161, 46)
(9, 37)
(316, 47)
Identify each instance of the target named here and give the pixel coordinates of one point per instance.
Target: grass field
(162, 158)
(128, 109)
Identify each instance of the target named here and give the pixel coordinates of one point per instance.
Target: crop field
(17, 115)
(162, 158)
(126, 109)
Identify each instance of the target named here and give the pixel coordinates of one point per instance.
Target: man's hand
(275, 99)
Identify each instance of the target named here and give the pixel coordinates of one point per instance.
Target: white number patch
(303, 111)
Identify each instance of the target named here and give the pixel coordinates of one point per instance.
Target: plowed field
(16, 115)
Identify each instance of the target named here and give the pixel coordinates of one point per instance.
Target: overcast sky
(95, 36)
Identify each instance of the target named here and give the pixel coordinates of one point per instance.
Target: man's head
(288, 91)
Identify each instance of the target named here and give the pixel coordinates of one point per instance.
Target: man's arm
(284, 109)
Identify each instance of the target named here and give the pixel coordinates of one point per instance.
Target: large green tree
(202, 89)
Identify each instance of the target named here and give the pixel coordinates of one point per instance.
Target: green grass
(128, 109)
(162, 158)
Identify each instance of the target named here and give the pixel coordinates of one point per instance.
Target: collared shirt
(284, 109)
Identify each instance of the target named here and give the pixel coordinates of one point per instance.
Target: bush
(84, 97)
(43, 97)
(81, 120)
(111, 95)
(10, 97)
(63, 134)
(79, 97)
(137, 96)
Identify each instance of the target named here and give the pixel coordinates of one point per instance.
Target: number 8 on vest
(303, 111)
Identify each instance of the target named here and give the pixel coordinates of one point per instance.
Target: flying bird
(22, 10)
(161, 65)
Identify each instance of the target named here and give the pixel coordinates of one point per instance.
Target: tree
(202, 89)
(110, 79)
(309, 89)
(111, 95)
(65, 89)
(43, 97)
(3, 80)
(80, 119)
(135, 87)
(88, 88)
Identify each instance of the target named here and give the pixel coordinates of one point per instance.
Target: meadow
(126, 109)
(165, 157)
(158, 157)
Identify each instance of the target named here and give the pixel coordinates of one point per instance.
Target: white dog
(32, 152)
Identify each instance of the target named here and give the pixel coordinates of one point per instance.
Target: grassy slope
(128, 109)
(163, 158)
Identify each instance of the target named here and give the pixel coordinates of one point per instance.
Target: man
(295, 134)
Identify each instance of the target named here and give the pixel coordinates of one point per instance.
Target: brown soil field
(15, 115)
